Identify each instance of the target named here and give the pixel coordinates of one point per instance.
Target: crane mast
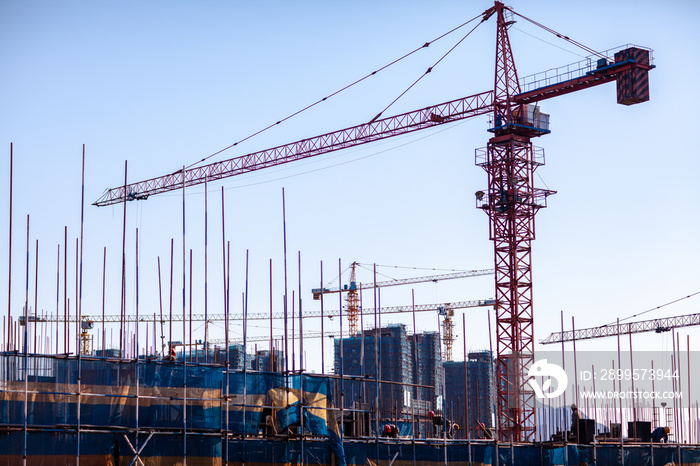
(353, 300)
(511, 202)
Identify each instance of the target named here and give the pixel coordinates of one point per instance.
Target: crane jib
(447, 112)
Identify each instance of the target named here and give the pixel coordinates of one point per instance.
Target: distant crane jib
(654, 325)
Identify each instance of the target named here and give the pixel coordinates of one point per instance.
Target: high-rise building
(427, 371)
(262, 361)
(382, 354)
(479, 388)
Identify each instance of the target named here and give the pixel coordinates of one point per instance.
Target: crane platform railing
(587, 66)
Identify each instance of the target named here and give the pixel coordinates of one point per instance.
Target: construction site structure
(510, 200)
(353, 288)
(409, 366)
(469, 396)
(85, 337)
(448, 336)
(383, 354)
(307, 314)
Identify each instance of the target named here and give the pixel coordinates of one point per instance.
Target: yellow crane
(353, 288)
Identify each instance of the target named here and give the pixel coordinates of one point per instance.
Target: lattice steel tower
(511, 201)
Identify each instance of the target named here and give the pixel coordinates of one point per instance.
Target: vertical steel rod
(82, 221)
(25, 350)
(563, 365)
(104, 275)
(223, 261)
(376, 362)
(294, 357)
(58, 290)
(245, 320)
(690, 418)
(184, 323)
(36, 292)
(170, 330)
(160, 297)
(284, 240)
(79, 302)
(678, 387)
(301, 366)
(77, 298)
(415, 349)
(634, 403)
(323, 352)
(342, 349)
(272, 358)
(301, 326)
(466, 389)
(206, 269)
(363, 363)
(379, 350)
(228, 303)
(66, 328)
(619, 365)
(9, 261)
(415, 370)
(576, 393)
(190, 332)
(123, 288)
(493, 375)
(245, 357)
(136, 358)
(227, 276)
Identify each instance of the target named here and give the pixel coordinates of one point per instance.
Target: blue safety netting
(166, 395)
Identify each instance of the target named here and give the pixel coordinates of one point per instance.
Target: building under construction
(409, 365)
(101, 411)
(392, 397)
(475, 386)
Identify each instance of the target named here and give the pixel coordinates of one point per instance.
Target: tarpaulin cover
(197, 403)
(314, 393)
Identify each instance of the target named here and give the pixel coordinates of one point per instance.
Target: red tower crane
(510, 200)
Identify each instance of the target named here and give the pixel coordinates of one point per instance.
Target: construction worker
(660, 434)
(171, 354)
(453, 427)
(484, 430)
(575, 417)
(270, 428)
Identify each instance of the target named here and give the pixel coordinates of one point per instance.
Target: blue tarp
(110, 397)
(108, 400)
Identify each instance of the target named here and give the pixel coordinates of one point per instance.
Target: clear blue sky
(163, 84)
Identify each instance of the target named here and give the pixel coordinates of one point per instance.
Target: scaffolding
(104, 409)
(108, 411)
